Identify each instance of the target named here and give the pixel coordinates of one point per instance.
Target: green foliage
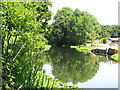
(24, 28)
(104, 40)
(81, 48)
(73, 27)
(24, 32)
(20, 27)
(61, 27)
(27, 74)
(116, 56)
(109, 31)
(47, 47)
(22, 36)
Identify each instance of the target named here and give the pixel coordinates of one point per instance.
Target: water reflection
(65, 64)
(73, 66)
(105, 57)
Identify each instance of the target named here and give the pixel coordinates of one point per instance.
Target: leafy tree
(91, 26)
(22, 34)
(109, 31)
(73, 27)
(26, 71)
(61, 26)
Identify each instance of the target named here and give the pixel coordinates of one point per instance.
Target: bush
(104, 40)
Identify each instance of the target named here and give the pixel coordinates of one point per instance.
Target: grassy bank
(81, 48)
(116, 56)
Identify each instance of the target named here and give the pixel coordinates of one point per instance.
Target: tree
(109, 31)
(22, 34)
(62, 26)
(73, 27)
(90, 27)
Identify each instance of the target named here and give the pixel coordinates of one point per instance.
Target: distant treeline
(112, 31)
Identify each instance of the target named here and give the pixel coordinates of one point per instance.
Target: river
(85, 70)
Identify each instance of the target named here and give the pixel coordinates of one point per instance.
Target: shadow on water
(73, 66)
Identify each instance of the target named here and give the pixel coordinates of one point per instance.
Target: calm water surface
(84, 70)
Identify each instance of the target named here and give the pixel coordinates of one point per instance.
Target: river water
(85, 70)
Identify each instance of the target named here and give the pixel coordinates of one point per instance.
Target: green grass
(116, 56)
(81, 48)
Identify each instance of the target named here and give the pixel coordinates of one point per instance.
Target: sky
(106, 11)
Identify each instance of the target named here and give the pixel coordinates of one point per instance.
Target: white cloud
(106, 11)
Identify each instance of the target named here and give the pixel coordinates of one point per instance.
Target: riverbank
(116, 56)
(88, 48)
(81, 48)
(100, 46)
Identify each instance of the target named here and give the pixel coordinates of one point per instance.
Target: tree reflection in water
(73, 66)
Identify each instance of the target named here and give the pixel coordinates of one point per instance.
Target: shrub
(104, 40)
